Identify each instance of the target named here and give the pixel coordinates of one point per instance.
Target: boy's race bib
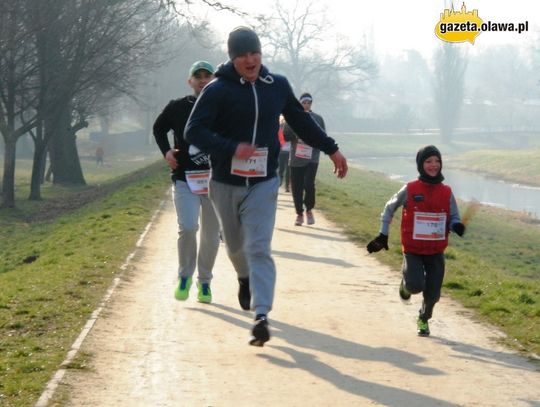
(429, 226)
(198, 181)
(254, 166)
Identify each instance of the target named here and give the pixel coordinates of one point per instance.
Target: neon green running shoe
(404, 294)
(182, 291)
(423, 328)
(205, 294)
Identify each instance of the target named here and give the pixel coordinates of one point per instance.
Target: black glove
(378, 243)
(458, 228)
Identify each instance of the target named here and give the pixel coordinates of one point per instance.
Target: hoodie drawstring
(268, 79)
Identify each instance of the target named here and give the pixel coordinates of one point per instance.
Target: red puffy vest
(427, 205)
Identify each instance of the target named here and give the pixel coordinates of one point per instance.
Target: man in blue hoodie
(236, 120)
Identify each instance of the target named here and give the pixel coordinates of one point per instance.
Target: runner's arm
(397, 200)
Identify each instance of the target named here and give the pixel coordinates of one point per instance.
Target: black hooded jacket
(174, 117)
(230, 111)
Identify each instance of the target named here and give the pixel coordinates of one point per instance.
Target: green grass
(93, 174)
(380, 145)
(521, 166)
(54, 271)
(494, 269)
(399, 144)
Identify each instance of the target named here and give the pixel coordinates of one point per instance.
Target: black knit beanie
(242, 40)
(423, 154)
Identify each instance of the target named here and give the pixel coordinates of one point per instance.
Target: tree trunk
(43, 167)
(37, 171)
(37, 164)
(8, 183)
(65, 163)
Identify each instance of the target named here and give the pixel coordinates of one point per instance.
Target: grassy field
(494, 269)
(56, 263)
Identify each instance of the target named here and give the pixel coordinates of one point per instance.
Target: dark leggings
(303, 187)
(424, 274)
(284, 169)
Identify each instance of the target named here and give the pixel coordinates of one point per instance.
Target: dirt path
(341, 337)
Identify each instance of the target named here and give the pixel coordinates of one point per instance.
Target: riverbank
(504, 162)
(516, 166)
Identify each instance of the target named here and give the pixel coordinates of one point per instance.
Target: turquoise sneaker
(423, 328)
(182, 291)
(205, 294)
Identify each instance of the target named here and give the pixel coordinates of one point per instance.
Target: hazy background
(396, 25)
(398, 38)
(98, 74)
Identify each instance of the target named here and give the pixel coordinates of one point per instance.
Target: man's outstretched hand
(340, 164)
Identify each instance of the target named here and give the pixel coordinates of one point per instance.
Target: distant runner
(304, 162)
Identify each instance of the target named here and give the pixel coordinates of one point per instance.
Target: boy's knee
(414, 287)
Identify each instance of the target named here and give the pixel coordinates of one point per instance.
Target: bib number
(254, 166)
(303, 151)
(429, 226)
(198, 181)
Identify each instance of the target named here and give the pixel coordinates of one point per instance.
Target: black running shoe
(260, 332)
(403, 292)
(244, 295)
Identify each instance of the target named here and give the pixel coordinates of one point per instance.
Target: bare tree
(179, 7)
(60, 61)
(298, 42)
(449, 85)
(17, 78)
(87, 49)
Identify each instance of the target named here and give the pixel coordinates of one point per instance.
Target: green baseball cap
(197, 66)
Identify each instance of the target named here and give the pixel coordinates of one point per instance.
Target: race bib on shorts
(254, 166)
(429, 226)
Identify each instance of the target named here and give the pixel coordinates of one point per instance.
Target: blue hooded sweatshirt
(230, 110)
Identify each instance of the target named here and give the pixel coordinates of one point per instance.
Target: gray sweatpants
(188, 205)
(247, 216)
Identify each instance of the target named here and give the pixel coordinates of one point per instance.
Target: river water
(465, 185)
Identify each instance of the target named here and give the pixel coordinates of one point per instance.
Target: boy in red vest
(429, 213)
